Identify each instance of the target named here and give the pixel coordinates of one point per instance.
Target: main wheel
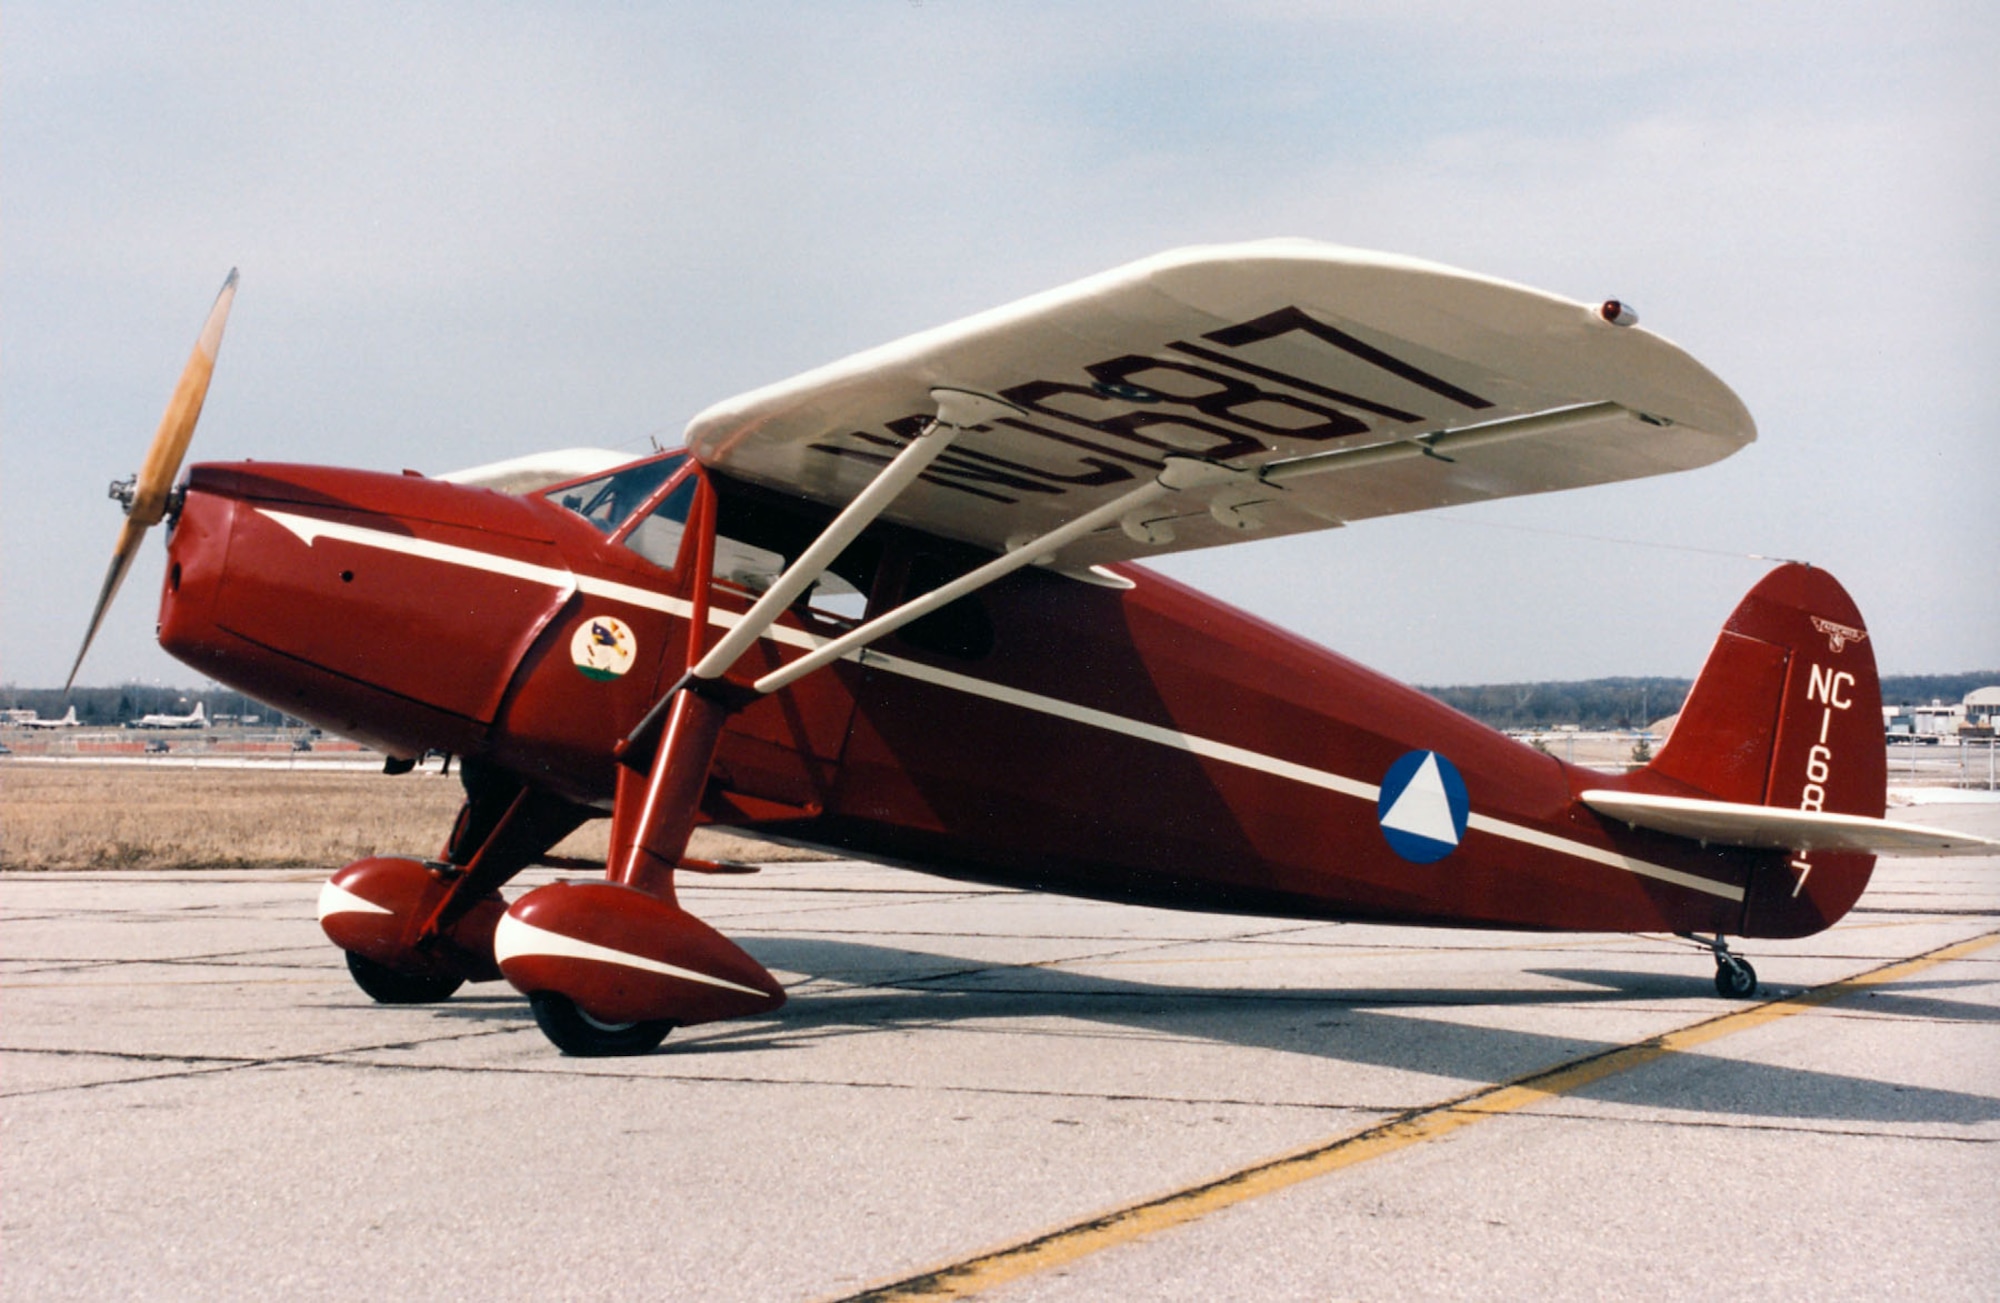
(576, 1033)
(1735, 979)
(385, 985)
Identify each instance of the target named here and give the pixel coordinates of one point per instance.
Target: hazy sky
(473, 231)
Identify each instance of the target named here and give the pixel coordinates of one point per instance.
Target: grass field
(82, 816)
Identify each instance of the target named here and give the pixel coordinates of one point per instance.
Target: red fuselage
(1128, 739)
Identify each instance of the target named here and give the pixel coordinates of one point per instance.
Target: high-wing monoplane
(891, 608)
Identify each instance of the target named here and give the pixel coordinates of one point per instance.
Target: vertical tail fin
(1787, 712)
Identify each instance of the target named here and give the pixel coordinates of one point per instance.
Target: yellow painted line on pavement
(1067, 1244)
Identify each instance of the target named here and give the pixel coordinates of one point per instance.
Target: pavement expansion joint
(607, 1073)
(1705, 1124)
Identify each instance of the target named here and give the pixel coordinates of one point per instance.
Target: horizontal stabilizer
(1764, 827)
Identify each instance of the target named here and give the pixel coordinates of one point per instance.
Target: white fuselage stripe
(1235, 755)
(309, 528)
(1155, 733)
(1611, 859)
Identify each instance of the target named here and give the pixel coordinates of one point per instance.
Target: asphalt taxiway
(1026, 1097)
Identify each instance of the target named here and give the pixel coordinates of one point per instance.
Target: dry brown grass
(82, 816)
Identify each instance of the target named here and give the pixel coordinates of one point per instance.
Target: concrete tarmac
(197, 1102)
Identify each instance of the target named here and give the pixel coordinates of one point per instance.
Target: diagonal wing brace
(957, 410)
(1007, 563)
(664, 761)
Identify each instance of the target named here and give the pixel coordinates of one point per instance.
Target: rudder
(1787, 712)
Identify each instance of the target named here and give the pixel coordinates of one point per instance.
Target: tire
(579, 1035)
(1735, 980)
(385, 985)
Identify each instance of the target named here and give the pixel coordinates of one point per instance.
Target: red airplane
(887, 608)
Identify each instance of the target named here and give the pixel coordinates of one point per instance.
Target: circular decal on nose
(1423, 807)
(603, 647)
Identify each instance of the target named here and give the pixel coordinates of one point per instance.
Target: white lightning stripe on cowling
(309, 528)
(336, 899)
(514, 939)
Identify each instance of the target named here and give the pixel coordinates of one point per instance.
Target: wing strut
(664, 761)
(1179, 474)
(957, 410)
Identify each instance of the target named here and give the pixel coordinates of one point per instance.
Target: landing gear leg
(1734, 978)
(502, 827)
(610, 967)
(415, 930)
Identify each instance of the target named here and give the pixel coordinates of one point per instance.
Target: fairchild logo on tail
(1838, 635)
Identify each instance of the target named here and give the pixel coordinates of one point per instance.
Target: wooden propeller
(145, 496)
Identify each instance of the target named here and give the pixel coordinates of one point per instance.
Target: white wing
(1252, 356)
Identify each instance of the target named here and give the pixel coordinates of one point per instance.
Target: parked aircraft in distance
(196, 718)
(68, 720)
(888, 608)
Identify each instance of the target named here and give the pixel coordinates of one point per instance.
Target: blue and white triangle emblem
(1423, 807)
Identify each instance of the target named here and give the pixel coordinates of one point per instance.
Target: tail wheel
(1735, 979)
(385, 985)
(576, 1033)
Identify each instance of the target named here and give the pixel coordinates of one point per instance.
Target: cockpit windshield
(609, 500)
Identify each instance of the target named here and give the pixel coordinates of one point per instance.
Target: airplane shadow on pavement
(855, 988)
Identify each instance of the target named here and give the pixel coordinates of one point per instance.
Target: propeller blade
(170, 443)
(163, 461)
(129, 536)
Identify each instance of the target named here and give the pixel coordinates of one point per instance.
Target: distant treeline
(1590, 703)
(1587, 703)
(1635, 703)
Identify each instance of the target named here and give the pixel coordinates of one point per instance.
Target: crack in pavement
(211, 1064)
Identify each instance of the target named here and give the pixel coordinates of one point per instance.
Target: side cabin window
(745, 565)
(657, 534)
(759, 533)
(834, 598)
